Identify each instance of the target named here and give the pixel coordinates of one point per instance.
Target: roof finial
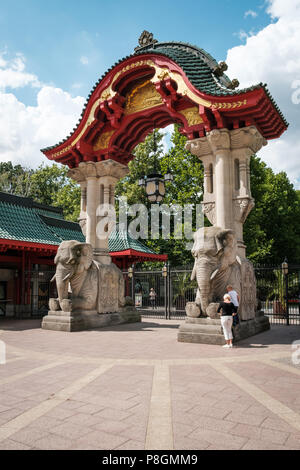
(145, 39)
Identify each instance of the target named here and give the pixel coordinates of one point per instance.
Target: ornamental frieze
(103, 141)
(192, 116)
(144, 96)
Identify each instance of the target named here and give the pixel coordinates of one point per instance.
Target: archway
(161, 84)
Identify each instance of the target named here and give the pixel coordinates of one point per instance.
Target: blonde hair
(226, 297)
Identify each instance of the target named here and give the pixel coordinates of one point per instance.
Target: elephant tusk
(193, 275)
(239, 260)
(67, 277)
(214, 274)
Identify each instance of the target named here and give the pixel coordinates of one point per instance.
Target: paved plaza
(135, 387)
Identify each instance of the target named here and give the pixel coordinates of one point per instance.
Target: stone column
(219, 141)
(228, 153)
(97, 181)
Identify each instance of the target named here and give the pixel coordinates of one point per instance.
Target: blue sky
(70, 44)
(52, 53)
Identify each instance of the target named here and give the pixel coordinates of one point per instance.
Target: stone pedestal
(209, 331)
(78, 321)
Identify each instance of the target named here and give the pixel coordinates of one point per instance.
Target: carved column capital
(219, 139)
(247, 138)
(199, 147)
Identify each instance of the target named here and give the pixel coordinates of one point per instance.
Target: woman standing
(228, 311)
(152, 295)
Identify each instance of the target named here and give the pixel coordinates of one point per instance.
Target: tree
(186, 188)
(50, 185)
(272, 230)
(15, 179)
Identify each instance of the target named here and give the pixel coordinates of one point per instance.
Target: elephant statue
(216, 265)
(94, 286)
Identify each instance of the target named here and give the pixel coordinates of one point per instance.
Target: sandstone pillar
(225, 154)
(97, 181)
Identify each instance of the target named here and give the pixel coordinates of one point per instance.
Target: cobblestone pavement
(135, 387)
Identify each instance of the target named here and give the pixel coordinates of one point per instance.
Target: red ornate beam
(151, 90)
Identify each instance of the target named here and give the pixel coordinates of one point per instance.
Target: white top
(234, 297)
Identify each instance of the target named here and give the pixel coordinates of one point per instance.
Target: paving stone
(13, 445)
(101, 440)
(29, 435)
(53, 442)
(243, 418)
(70, 430)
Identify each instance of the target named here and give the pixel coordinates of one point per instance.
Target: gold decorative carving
(235, 104)
(57, 154)
(160, 73)
(144, 96)
(103, 141)
(192, 116)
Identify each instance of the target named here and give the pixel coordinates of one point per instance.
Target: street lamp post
(165, 276)
(154, 183)
(285, 270)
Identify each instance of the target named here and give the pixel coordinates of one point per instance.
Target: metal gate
(278, 292)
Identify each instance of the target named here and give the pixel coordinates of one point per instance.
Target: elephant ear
(221, 238)
(83, 254)
(86, 255)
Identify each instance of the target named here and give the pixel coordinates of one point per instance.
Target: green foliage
(186, 188)
(48, 185)
(15, 179)
(272, 230)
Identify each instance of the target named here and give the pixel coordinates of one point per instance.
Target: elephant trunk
(62, 277)
(203, 269)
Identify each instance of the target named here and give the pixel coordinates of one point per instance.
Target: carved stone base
(209, 331)
(78, 321)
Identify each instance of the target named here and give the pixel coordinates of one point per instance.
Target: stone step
(202, 328)
(203, 321)
(188, 335)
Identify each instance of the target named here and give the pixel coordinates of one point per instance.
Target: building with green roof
(30, 234)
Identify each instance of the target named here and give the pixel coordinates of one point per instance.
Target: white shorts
(226, 322)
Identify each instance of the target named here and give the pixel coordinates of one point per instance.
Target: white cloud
(251, 13)
(24, 130)
(13, 75)
(84, 60)
(272, 56)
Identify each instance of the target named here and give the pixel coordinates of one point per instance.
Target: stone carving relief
(216, 264)
(209, 210)
(242, 208)
(94, 286)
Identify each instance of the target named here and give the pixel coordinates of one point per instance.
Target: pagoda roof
(120, 240)
(205, 75)
(24, 222)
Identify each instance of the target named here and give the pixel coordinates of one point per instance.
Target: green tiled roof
(198, 66)
(196, 63)
(22, 223)
(21, 219)
(120, 240)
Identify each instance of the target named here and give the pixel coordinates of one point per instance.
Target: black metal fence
(278, 292)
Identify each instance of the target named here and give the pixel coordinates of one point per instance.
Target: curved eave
(58, 151)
